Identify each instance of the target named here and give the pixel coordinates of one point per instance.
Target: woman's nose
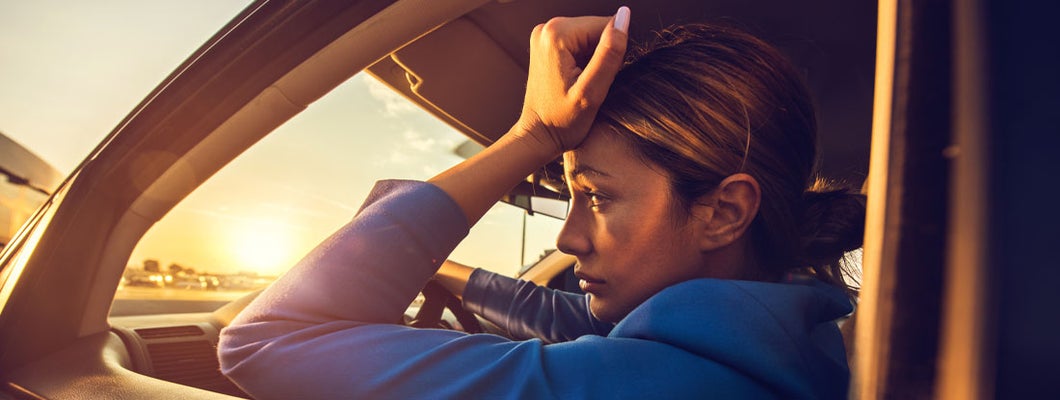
(573, 238)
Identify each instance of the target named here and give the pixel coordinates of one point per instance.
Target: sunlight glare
(261, 248)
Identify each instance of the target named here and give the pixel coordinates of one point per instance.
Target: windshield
(260, 214)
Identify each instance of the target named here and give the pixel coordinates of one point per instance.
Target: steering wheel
(435, 299)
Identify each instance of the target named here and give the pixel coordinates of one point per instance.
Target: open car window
(260, 214)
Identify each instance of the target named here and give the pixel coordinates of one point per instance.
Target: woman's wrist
(532, 133)
(453, 277)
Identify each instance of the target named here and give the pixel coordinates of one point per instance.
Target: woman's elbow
(238, 351)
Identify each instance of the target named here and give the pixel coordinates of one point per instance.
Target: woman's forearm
(477, 183)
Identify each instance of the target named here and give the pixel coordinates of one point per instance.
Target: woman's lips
(589, 284)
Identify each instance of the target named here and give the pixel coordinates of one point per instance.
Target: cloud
(420, 142)
(394, 104)
(418, 148)
(398, 157)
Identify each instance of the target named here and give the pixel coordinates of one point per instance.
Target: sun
(263, 249)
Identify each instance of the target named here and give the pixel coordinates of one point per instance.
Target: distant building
(26, 182)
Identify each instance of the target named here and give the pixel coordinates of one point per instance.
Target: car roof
(484, 55)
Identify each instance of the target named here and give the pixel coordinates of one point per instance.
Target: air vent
(190, 363)
(170, 331)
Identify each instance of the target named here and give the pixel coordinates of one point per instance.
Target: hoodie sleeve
(526, 310)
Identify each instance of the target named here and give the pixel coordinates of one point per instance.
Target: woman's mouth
(590, 284)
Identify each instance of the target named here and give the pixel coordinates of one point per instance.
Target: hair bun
(833, 223)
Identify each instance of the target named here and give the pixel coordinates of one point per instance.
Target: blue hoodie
(324, 330)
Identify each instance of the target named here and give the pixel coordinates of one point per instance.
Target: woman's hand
(563, 92)
(561, 102)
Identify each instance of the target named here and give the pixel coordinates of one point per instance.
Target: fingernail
(622, 19)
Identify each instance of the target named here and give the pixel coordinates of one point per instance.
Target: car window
(260, 214)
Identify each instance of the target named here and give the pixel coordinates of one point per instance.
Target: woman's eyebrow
(588, 171)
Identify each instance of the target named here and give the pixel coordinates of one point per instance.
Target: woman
(689, 190)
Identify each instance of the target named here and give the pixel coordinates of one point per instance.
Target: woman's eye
(595, 199)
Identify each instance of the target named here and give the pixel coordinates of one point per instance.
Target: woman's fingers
(600, 72)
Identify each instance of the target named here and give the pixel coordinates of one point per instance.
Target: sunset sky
(70, 71)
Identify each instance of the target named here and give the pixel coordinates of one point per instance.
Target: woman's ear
(724, 215)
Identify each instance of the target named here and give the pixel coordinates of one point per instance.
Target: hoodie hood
(781, 334)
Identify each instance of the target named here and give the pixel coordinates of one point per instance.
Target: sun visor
(462, 74)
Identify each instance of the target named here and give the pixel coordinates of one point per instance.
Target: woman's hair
(704, 102)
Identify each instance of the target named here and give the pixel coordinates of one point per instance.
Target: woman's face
(629, 238)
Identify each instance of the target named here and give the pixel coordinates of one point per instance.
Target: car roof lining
(830, 41)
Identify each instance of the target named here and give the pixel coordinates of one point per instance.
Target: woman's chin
(605, 311)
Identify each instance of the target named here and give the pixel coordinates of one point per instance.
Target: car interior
(464, 62)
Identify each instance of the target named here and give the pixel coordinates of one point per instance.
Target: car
(922, 99)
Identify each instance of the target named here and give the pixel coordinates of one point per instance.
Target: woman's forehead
(605, 154)
(593, 154)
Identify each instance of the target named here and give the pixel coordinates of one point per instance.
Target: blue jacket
(324, 330)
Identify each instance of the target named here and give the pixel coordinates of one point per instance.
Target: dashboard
(169, 356)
